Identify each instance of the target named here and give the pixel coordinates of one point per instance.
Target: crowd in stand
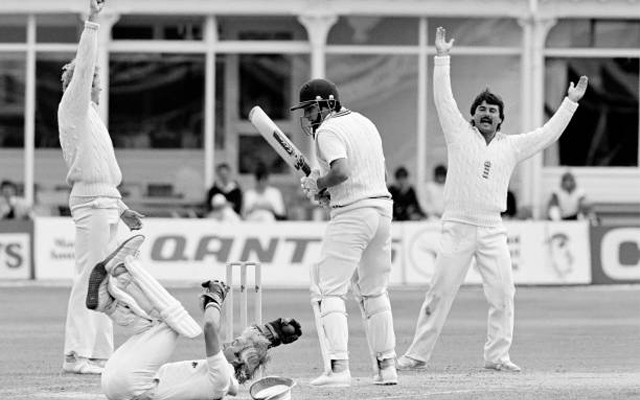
(226, 201)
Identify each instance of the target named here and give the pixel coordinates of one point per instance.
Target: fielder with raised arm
(356, 248)
(481, 161)
(125, 291)
(95, 202)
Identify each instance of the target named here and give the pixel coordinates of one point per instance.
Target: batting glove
(324, 199)
(280, 331)
(309, 184)
(213, 294)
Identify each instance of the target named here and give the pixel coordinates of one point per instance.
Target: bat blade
(279, 141)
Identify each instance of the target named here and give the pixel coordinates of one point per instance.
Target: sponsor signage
(193, 250)
(198, 249)
(616, 254)
(15, 249)
(541, 252)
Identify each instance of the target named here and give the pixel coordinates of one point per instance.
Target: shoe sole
(97, 276)
(513, 371)
(119, 248)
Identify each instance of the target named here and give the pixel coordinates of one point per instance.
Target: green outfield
(573, 343)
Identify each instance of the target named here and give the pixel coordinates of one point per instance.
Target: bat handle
(306, 169)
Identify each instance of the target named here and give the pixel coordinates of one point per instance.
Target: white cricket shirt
(352, 136)
(478, 173)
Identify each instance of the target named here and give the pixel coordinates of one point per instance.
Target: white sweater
(478, 174)
(354, 137)
(85, 141)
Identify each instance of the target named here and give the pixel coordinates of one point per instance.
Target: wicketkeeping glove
(281, 330)
(214, 292)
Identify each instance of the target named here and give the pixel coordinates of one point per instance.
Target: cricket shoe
(98, 296)
(503, 366)
(333, 379)
(127, 248)
(386, 376)
(405, 363)
(73, 364)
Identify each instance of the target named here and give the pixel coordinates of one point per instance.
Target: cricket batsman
(356, 248)
(121, 288)
(481, 161)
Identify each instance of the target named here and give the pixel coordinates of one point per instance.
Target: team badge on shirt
(487, 169)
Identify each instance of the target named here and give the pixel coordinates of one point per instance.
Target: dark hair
(490, 98)
(440, 170)
(261, 172)
(223, 165)
(8, 183)
(401, 172)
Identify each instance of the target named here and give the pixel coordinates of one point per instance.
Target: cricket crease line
(409, 396)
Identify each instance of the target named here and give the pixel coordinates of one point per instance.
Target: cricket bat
(279, 141)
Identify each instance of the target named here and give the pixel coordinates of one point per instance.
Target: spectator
(12, 206)
(512, 206)
(568, 202)
(227, 187)
(405, 201)
(265, 202)
(432, 199)
(221, 210)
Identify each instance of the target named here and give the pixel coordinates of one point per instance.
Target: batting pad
(379, 324)
(333, 314)
(162, 301)
(363, 314)
(180, 321)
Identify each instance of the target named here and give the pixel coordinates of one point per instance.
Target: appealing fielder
(481, 161)
(127, 293)
(356, 247)
(95, 201)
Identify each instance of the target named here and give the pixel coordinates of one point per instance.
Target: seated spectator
(432, 199)
(405, 201)
(568, 202)
(227, 187)
(512, 206)
(264, 203)
(12, 206)
(222, 211)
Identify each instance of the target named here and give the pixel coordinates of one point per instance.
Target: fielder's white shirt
(569, 203)
(478, 173)
(352, 136)
(85, 141)
(194, 380)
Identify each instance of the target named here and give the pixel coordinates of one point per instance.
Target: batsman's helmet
(318, 90)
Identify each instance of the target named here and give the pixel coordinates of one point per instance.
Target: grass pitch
(572, 343)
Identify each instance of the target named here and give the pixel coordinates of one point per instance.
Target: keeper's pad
(333, 314)
(162, 301)
(379, 324)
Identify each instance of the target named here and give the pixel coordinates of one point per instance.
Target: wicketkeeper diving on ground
(122, 288)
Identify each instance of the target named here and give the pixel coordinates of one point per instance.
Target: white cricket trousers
(356, 244)
(89, 333)
(459, 243)
(132, 370)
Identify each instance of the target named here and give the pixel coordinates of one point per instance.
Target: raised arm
(77, 96)
(451, 120)
(530, 143)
